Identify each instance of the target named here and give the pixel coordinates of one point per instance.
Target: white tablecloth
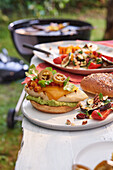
(45, 149)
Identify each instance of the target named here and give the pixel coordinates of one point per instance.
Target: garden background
(93, 11)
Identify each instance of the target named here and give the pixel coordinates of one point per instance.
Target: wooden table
(44, 148)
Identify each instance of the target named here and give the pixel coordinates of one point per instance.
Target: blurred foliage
(46, 7)
(81, 4)
(3, 17)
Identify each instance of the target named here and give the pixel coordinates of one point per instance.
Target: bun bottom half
(53, 109)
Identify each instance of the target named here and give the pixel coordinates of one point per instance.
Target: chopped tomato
(27, 79)
(36, 80)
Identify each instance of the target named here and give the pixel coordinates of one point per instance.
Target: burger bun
(53, 109)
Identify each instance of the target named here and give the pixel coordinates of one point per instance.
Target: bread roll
(53, 109)
(98, 83)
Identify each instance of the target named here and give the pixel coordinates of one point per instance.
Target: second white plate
(53, 47)
(93, 154)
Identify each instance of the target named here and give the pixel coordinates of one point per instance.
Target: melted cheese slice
(54, 92)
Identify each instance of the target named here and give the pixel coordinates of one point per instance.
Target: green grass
(5, 40)
(9, 139)
(96, 17)
(9, 93)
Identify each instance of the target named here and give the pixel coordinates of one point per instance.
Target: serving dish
(53, 48)
(94, 153)
(59, 121)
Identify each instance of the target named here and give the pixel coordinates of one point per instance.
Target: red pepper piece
(99, 55)
(106, 112)
(63, 56)
(94, 66)
(101, 115)
(96, 115)
(95, 53)
(108, 58)
(58, 60)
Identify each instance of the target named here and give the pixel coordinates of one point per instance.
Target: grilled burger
(51, 92)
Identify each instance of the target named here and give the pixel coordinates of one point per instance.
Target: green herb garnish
(43, 83)
(80, 52)
(100, 96)
(107, 101)
(66, 81)
(50, 69)
(99, 114)
(32, 72)
(99, 61)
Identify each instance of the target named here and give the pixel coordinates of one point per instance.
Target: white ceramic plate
(58, 121)
(53, 48)
(93, 154)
